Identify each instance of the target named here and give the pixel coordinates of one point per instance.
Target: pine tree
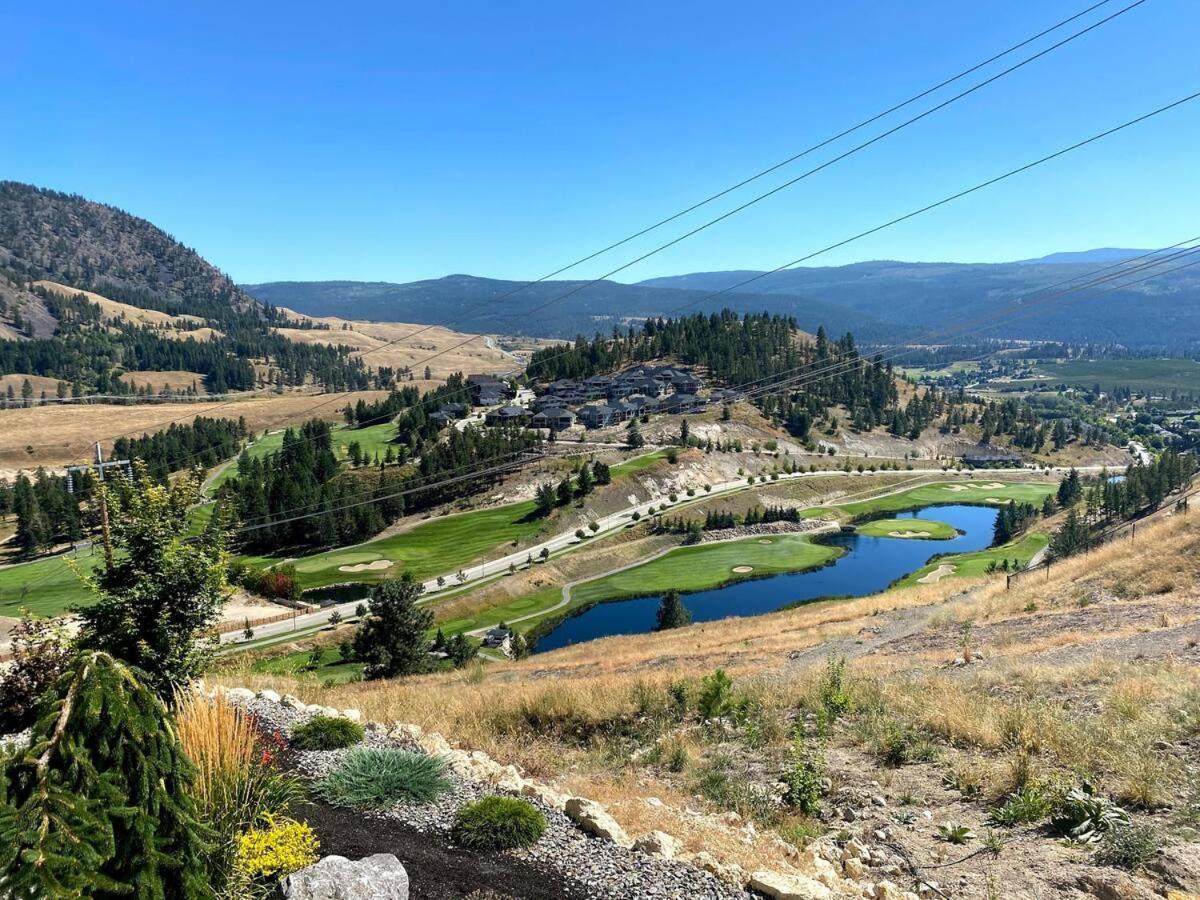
(601, 473)
(671, 612)
(633, 436)
(97, 806)
(163, 590)
(391, 638)
(585, 481)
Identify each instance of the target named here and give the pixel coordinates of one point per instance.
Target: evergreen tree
(601, 473)
(1070, 538)
(671, 612)
(633, 435)
(163, 590)
(391, 639)
(684, 432)
(565, 492)
(97, 806)
(585, 481)
(545, 499)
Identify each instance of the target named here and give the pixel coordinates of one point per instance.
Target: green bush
(375, 778)
(326, 733)
(803, 777)
(1084, 817)
(498, 823)
(1029, 804)
(1129, 848)
(713, 700)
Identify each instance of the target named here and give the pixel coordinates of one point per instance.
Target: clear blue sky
(393, 141)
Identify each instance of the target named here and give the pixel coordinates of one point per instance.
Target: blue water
(869, 565)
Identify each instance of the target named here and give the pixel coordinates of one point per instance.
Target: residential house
(554, 417)
(506, 415)
(596, 415)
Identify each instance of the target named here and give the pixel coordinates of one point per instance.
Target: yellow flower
(281, 847)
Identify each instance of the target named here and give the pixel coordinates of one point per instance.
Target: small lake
(868, 566)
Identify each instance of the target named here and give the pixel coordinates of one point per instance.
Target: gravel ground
(601, 869)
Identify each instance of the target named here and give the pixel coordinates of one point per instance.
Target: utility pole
(100, 465)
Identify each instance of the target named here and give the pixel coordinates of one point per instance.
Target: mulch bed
(436, 870)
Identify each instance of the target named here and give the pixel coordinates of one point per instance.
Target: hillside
(467, 303)
(963, 710)
(1161, 312)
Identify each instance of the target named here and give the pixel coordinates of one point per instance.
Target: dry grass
(409, 345)
(172, 380)
(63, 434)
(173, 326)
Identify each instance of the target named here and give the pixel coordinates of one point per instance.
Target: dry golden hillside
(180, 327)
(961, 709)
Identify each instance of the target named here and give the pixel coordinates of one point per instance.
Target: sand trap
(375, 566)
(990, 486)
(908, 534)
(764, 541)
(957, 487)
(937, 574)
(742, 570)
(996, 500)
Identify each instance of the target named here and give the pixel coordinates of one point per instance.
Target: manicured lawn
(521, 606)
(981, 489)
(973, 565)
(708, 565)
(922, 529)
(638, 463)
(431, 548)
(331, 670)
(1157, 376)
(46, 587)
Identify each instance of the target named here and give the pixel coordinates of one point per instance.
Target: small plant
(993, 843)
(836, 700)
(275, 850)
(498, 823)
(1029, 804)
(713, 700)
(897, 745)
(1128, 848)
(803, 777)
(1084, 817)
(377, 778)
(326, 733)
(955, 833)
(965, 782)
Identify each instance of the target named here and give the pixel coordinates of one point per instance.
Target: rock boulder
(378, 877)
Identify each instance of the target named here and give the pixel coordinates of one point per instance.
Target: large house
(553, 417)
(596, 415)
(488, 390)
(507, 415)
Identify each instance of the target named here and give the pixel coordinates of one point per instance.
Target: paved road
(608, 524)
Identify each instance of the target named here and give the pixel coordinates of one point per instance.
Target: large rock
(780, 886)
(1107, 885)
(378, 877)
(1179, 866)
(239, 695)
(657, 843)
(594, 819)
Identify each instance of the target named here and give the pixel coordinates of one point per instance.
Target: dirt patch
(937, 574)
(376, 566)
(436, 869)
(742, 570)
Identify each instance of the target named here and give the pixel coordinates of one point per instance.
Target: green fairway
(46, 587)
(1155, 376)
(705, 566)
(973, 565)
(980, 490)
(921, 529)
(332, 669)
(522, 606)
(638, 463)
(431, 548)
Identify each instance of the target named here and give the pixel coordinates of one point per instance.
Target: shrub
(715, 689)
(237, 783)
(898, 744)
(835, 697)
(371, 777)
(326, 733)
(100, 798)
(498, 823)
(276, 850)
(40, 654)
(1085, 817)
(803, 778)
(1128, 848)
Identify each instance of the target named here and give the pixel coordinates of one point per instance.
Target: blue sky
(398, 141)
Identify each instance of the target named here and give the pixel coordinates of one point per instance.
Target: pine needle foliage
(164, 588)
(97, 806)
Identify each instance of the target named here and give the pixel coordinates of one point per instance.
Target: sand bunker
(990, 486)
(904, 534)
(375, 566)
(742, 570)
(996, 500)
(957, 487)
(764, 541)
(937, 574)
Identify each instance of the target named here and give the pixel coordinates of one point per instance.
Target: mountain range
(881, 301)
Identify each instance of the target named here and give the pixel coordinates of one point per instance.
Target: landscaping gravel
(599, 868)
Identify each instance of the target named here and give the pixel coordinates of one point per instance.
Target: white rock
(854, 868)
(290, 702)
(788, 887)
(352, 714)
(269, 695)
(239, 695)
(378, 877)
(546, 794)
(594, 819)
(657, 843)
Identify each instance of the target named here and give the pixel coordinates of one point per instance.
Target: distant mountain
(467, 303)
(1162, 312)
(1099, 255)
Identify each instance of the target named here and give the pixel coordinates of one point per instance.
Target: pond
(868, 565)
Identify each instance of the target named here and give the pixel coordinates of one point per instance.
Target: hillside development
(858, 742)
